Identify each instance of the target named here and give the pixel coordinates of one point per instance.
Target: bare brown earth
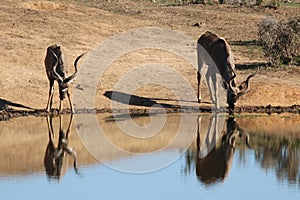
(27, 28)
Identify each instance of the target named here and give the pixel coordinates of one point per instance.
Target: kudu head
(234, 92)
(58, 71)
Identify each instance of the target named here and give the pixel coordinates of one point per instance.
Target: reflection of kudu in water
(55, 161)
(215, 153)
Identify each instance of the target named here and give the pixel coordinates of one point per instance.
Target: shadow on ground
(245, 43)
(253, 65)
(5, 104)
(137, 100)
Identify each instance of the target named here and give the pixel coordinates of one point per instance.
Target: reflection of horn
(247, 140)
(69, 149)
(245, 86)
(231, 140)
(247, 137)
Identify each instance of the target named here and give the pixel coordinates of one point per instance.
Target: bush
(179, 2)
(267, 3)
(240, 2)
(280, 40)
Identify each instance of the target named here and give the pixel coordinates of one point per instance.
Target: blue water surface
(246, 180)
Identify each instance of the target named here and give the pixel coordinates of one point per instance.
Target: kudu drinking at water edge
(56, 72)
(215, 54)
(215, 148)
(55, 159)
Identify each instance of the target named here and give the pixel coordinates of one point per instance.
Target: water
(214, 164)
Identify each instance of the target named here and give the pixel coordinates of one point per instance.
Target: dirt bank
(27, 28)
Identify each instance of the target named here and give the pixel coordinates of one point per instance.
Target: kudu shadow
(56, 157)
(137, 100)
(245, 43)
(215, 149)
(122, 117)
(253, 65)
(5, 104)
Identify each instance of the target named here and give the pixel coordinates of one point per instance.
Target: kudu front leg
(215, 91)
(50, 97)
(211, 87)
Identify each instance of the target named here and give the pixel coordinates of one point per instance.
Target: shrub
(243, 2)
(179, 2)
(280, 40)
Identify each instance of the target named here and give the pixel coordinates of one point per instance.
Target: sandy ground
(27, 28)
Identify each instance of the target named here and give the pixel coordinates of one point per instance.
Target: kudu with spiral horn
(56, 72)
(215, 54)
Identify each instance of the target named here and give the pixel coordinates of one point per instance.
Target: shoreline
(10, 113)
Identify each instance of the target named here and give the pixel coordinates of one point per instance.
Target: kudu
(215, 149)
(56, 72)
(55, 159)
(215, 54)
